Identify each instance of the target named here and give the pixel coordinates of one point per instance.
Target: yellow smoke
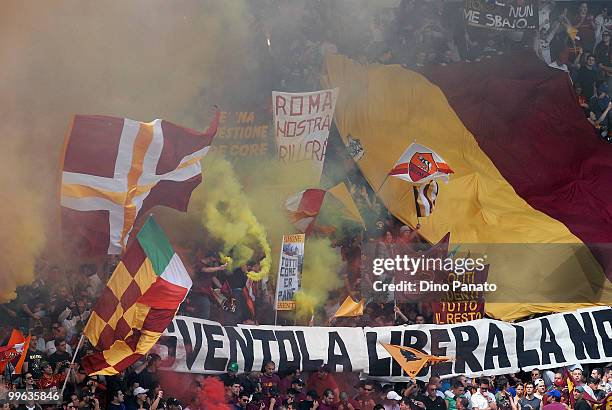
(268, 184)
(227, 217)
(142, 59)
(227, 209)
(22, 233)
(319, 276)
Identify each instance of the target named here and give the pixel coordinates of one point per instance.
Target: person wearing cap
(143, 401)
(393, 401)
(232, 374)
(529, 402)
(407, 235)
(141, 397)
(540, 388)
(322, 381)
(554, 399)
(579, 402)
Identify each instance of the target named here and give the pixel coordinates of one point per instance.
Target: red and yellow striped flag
(137, 304)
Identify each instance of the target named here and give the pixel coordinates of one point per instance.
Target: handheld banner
(289, 271)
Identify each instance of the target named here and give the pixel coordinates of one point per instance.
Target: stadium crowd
(573, 37)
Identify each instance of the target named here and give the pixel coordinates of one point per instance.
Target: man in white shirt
(483, 399)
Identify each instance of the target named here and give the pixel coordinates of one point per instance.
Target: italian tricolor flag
(172, 282)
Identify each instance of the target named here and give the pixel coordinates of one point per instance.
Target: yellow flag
(342, 194)
(412, 360)
(350, 308)
(532, 256)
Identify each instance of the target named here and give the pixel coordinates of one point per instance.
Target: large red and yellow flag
(530, 187)
(115, 169)
(137, 304)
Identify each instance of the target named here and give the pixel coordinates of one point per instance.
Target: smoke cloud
(213, 394)
(227, 217)
(319, 276)
(22, 224)
(268, 185)
(142, 59)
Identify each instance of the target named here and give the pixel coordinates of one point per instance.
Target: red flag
(303, 208)
(10, 350)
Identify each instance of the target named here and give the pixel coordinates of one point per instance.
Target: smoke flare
(227, 216)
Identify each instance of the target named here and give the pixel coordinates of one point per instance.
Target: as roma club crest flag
(412, 360)
(419, 165)
(115, 169)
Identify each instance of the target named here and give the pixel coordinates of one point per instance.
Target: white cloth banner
(289, 271)
(301, 125)
(481, 347)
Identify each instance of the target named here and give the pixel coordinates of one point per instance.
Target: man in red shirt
(269, 379)
(49, 379)
(322, 381)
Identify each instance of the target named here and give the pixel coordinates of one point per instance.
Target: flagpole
(280, 262)
(383, 183)
(76, 351)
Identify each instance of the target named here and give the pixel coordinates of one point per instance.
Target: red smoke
(212, 396)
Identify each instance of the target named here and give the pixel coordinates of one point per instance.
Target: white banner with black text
(480, 347)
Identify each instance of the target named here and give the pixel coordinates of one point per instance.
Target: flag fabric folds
(115, 169)
(303, 208)
(412, 360)
(16, 346)
(542, 146)
(419, 165)
(350, 308)
(499, 191)
(137, 304)
(425, 198)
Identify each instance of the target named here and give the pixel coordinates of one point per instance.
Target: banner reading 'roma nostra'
(301, 125)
